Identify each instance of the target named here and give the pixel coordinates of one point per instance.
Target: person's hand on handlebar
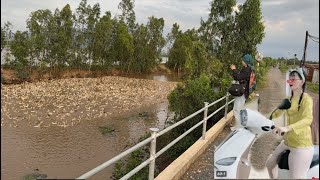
(281, 130)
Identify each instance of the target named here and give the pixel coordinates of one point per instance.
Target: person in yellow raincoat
(297, 134)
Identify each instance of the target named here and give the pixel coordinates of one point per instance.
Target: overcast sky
(286, 21)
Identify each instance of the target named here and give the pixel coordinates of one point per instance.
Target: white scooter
(231, 156)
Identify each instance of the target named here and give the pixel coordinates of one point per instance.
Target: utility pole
(305, 49)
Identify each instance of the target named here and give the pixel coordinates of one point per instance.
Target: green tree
(193, 93)
(184, 100)
(38, 25)
(3, 38)
(216, 31)
(103, 42)
(148, 43)
(61, 39)
(85, 20)
(249, 27)
(5, 34)
(188, 54)
(65, 29)
(156, 40)
(172, 36)
(93, 17)
(140, 38)
(20, 47)
(198, 62)
(128, 14)
(228, 34)
(123, 47)
(180, 53)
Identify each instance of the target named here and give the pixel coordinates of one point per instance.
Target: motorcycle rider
(297, 137)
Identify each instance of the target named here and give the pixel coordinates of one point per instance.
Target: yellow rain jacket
(299, 121)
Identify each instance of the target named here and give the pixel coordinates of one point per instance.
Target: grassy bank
(313, 87)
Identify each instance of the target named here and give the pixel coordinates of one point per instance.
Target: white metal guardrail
(156, 133)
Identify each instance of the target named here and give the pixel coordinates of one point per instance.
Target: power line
(313, 36)
(315, 40)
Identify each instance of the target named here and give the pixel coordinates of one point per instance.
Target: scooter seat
(283, 158)
(315, 159)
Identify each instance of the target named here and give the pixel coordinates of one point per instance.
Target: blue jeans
(239, 102)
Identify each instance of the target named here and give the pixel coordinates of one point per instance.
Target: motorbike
(231, 156)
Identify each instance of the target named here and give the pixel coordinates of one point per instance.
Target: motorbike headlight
(226, 161)
(244, 117)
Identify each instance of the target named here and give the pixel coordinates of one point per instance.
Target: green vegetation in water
(123, 167)
(106, 130)
(313, 87)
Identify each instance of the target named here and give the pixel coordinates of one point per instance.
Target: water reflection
(164, 77)
(160, 78)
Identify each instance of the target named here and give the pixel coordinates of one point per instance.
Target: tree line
(85, 39)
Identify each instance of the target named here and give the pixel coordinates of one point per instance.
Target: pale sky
(286, 21)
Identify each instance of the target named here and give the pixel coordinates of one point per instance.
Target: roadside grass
(313, 87)
(283, 68)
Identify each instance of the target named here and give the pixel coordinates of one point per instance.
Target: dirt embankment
(10, 76)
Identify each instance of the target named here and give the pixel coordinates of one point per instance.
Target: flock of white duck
(67, 102)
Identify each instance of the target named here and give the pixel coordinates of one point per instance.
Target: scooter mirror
(285, 104)
(267, 128)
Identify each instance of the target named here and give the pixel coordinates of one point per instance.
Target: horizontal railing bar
(116, 158)
(178, 139)
(230, 101)
(215, 102)
(215, 112)
(137, 169)
(180, 122)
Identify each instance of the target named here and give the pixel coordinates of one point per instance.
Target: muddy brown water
(72, 151)
(157, 76)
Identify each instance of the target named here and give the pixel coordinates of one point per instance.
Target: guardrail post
(205, 120)
(226, 107)
(152, 152)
